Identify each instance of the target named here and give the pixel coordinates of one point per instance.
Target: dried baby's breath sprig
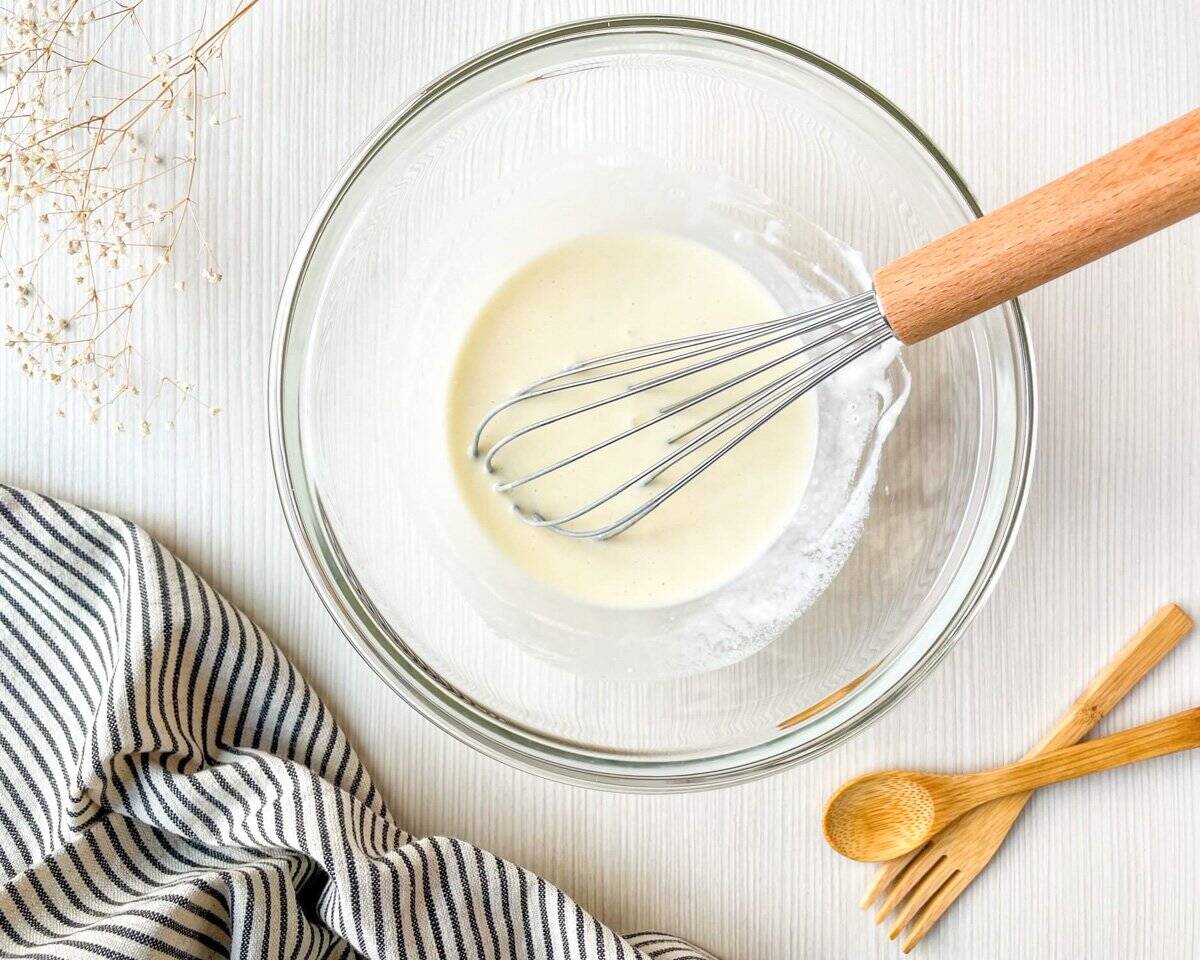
(98, 167)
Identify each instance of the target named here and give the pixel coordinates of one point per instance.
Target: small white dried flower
(72, 168)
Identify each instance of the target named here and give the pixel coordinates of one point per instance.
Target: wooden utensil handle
(1121, 197)
(1180, 731)
(1157, 637)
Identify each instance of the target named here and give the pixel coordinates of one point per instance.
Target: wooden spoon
(887, 814)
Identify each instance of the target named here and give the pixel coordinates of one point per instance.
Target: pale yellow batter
(592, 296)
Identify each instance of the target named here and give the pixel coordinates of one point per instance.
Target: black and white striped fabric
(171, 787)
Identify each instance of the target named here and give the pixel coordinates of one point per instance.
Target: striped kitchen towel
(170, 786)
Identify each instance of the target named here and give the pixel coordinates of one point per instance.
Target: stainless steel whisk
(1123, 196)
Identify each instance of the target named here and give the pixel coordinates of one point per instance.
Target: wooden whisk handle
(1121, 197)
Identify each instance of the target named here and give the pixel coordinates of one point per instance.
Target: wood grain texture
(889, 813)
(916, 889)
(1015, 92)
(1118, 198)
(1179, 731)
(1157, 637)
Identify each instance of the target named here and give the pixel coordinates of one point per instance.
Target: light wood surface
(1157, 637)
(1116, 199)
(914, 890)
(1158, 738)
(878, 816)
(1015, 92)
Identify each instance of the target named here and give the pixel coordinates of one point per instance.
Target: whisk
(1139, 188)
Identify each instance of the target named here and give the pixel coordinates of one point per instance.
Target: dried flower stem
(98, 168)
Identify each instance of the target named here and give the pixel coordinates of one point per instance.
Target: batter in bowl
(592, 296)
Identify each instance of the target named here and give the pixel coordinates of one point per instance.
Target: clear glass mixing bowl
(367, 304)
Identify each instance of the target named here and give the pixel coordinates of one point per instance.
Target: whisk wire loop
(846, 330)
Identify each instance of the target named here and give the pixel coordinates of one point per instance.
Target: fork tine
(927, 859)
(885, 876)
(968, 845)
(941, 874)
(933, 909)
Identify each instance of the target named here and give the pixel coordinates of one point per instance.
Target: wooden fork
(918, 888)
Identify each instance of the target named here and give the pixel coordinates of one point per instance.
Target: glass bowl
(435, 203)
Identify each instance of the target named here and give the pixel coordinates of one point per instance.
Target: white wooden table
(1015, 92)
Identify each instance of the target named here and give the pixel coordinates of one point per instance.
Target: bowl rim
(449, 710)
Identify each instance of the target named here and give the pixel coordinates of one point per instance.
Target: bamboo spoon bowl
(887, 814)
(915, 890)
